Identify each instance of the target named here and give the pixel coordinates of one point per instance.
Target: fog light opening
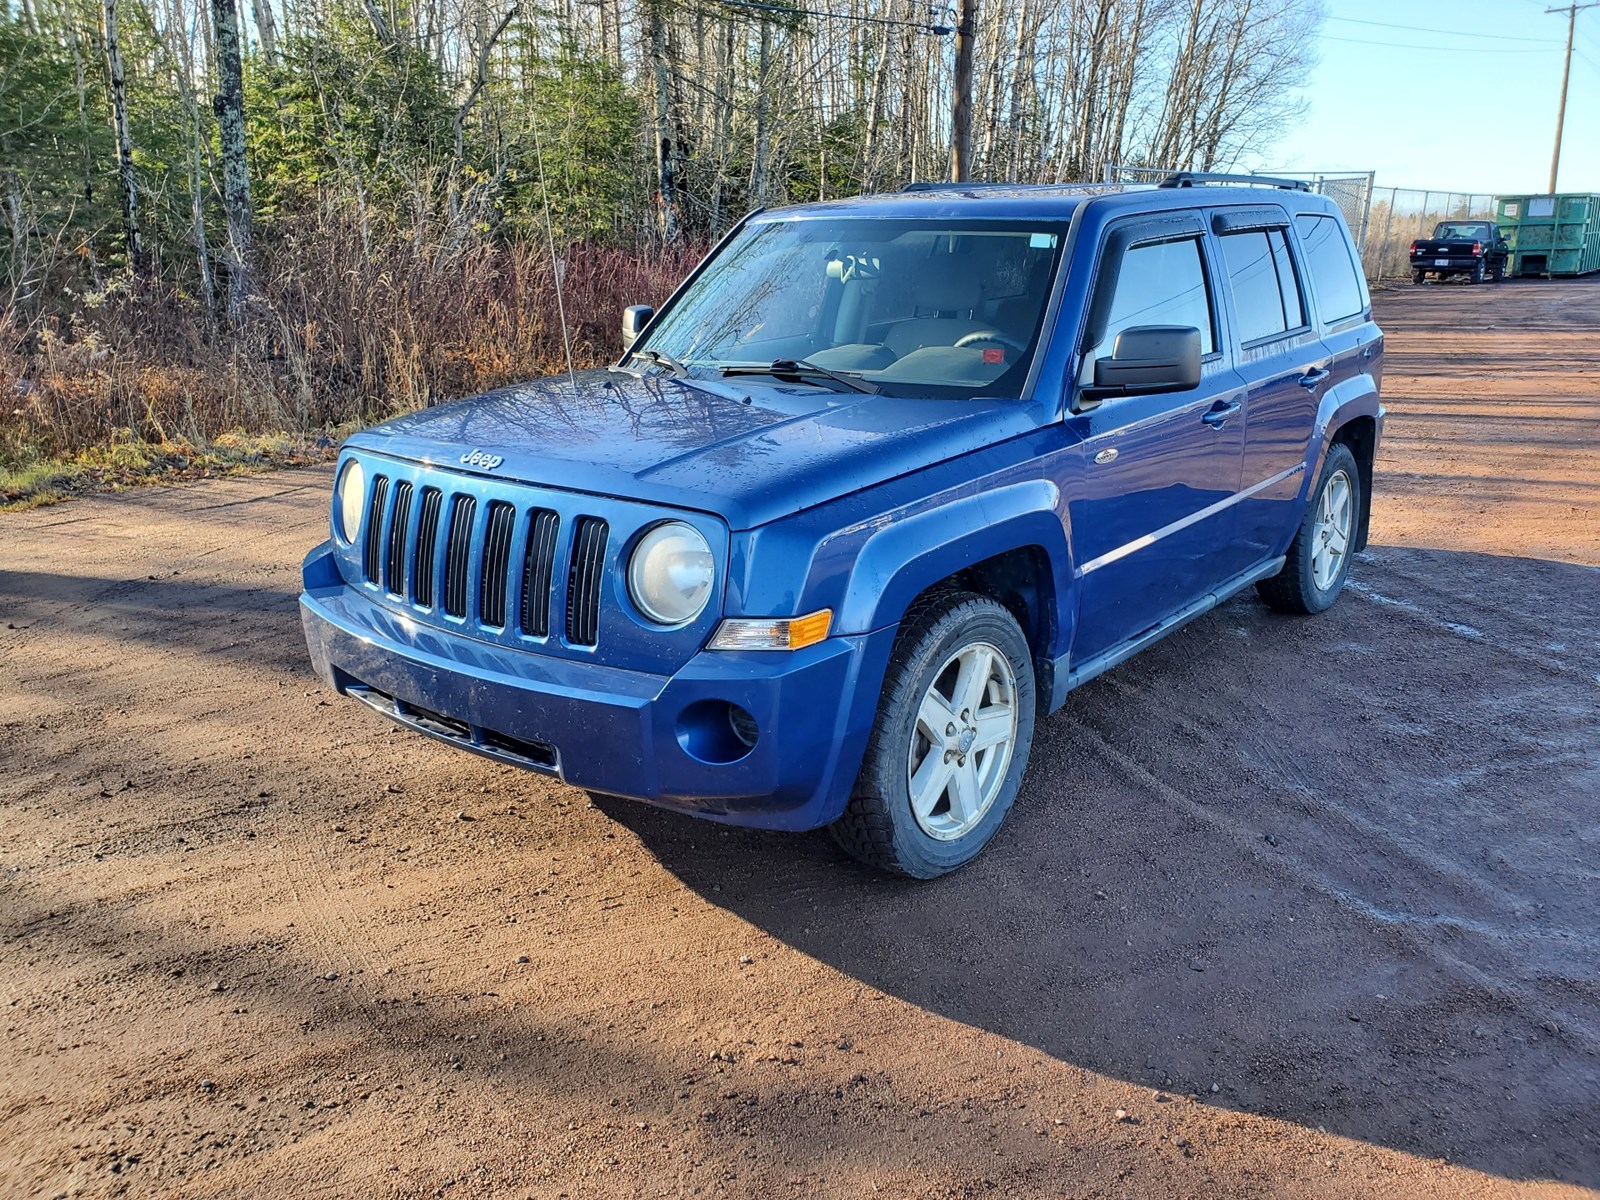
(717, 732)
(744, 726)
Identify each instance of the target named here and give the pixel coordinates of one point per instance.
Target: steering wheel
(988, 335)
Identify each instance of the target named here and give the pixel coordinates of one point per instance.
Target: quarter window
(1266, 293)
(1333, 271)
(1161, 284)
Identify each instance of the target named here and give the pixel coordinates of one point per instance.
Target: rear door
(1339, 290)
(1151, 500)
(1283, 363)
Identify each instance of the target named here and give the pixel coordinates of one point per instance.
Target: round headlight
(670, 573)
(350, 492)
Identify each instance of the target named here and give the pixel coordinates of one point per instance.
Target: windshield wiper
(662, 359)
(800, 369)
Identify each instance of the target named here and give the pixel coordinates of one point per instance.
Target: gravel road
(1286, 907)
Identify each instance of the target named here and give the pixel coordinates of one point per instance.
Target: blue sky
(1426, 108)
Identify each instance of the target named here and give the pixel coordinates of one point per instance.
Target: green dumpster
(1551, 235)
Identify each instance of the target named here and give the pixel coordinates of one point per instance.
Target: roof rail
(1183, 179)
(929, 185)
(945, 185)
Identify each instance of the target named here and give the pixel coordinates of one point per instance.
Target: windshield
(913, 307)
(1473, 229)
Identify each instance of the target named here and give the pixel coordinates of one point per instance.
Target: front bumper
(655, 738)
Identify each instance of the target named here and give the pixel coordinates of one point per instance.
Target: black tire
(1497, 272)
(1295, 589)
(1418, 276)
(878, 826)
(1477, 272)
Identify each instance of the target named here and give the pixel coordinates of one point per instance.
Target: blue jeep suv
(882, 482)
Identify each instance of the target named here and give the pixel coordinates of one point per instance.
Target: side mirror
(634, 318)
(1147, 359)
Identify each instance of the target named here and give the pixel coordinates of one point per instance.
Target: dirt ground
(1286, 908)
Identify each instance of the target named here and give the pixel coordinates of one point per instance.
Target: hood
(749, 452)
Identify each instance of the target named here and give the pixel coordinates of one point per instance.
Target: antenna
(555, 265)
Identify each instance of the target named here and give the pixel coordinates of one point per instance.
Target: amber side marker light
(772, 633)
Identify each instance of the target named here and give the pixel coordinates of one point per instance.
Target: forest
(287, 218)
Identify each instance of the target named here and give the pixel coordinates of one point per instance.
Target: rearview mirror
(1147, 359)
(634, 318)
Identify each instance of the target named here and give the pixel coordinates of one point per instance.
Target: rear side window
(1161, 284)
(1333, 271)
(1266, 293)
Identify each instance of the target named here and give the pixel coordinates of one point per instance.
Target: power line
(1430, 49)
(1447, 32)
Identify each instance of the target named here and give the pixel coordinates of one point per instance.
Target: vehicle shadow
(1338, 871)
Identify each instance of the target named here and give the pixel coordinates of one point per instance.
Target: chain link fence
(1401, 215)
(1383, 221)
(1352, 191)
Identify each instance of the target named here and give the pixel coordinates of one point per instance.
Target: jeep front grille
(427, 544)
(457, 550)
(376, 508)
(538, 569)
(583, 581)
(394, 563)
(496, 564)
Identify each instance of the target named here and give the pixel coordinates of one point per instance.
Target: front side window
(913, 307)
(1160, 283)
(1266, 294)
(1333, 271)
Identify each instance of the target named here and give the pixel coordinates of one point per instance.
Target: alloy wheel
(965, 734)
(1331, 528)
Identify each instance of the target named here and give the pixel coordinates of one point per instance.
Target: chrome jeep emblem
(478, 458)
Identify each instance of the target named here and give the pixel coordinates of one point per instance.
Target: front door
(1152, 496)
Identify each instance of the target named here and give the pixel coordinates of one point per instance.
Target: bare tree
(666, 163)
(480, 80)
(127, 182)
(229, 107)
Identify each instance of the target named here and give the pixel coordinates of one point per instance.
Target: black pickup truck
(1471, 248)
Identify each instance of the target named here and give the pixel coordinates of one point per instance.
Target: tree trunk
(992, 84)
(667, 224)
(961, 110)
(758, 161)
(71, 25)
(869, 149)
(197, 218)
(119, 119)
(266, 29)
(1014, 114)
(229, 107)
(480, 80)
(722, 122)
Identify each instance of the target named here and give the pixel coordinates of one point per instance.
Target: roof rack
(1183, 179)
(945, 185)
(930, 185)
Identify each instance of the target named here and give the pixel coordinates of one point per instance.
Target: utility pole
(1572, 11)
(961, 117)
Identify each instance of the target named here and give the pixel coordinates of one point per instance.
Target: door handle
(1313, 377)
(1218, 416)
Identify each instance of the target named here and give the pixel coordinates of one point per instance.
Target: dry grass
(342, 335)
(130, 463)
